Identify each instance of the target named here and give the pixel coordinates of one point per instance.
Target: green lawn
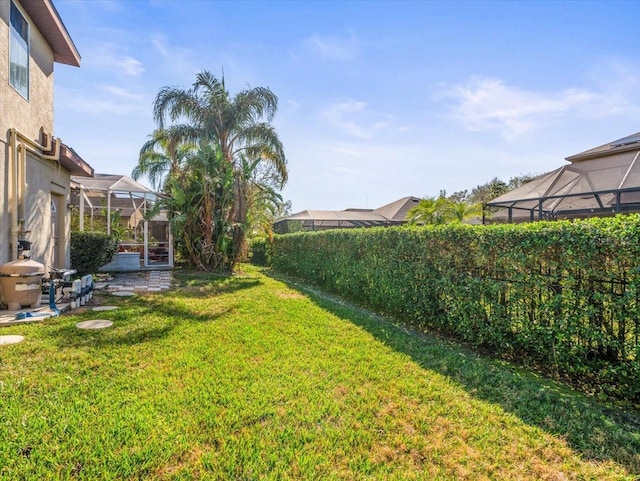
(251, 378)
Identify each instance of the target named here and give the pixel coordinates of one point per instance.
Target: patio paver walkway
(132, 282)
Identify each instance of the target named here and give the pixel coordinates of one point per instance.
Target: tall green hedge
(563, 296)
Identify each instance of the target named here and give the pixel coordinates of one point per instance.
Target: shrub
(91, 250)
(561, 296)
(258, 251)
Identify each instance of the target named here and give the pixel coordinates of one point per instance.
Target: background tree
(484, 193)
(264, 203)
(520, 180)
(430, 210)
(443, 210)
(463, 211)
(239, 131)
(489, 191)
(162, 156)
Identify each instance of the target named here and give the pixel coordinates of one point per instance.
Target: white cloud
(104, 99)
(121, 93)
(333, 47)
(107, 57)
(131, 66)
(91, 105)
(619, 82)
(176, 59)
(487, 104)
(350, 116)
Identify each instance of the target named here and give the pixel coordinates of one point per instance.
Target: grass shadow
(177, 310)
(597, 430)
(195, 285)
(167, 306)
(126, 330)
(72, 337)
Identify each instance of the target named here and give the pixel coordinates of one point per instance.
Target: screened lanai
(599, 182)
(313, 220)
(110, 203)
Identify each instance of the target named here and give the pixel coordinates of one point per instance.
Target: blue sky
(377, 100)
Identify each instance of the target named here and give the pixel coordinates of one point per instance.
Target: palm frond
(255, 104)
(261, 141)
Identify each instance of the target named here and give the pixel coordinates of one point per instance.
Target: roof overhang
(46, 18)
(72, 162)
(629, 143)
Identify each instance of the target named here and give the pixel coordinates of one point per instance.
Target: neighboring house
(394, 213)
(35, 168)
(602, 181)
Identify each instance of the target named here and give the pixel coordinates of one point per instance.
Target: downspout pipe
(13, 182)
(22, 182)
(20, 144)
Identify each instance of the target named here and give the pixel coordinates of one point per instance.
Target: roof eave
(600, 152)
(44, 14)
(72, 162)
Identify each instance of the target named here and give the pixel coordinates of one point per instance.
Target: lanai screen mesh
(602, 186)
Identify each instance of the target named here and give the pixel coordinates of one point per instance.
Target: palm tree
(162, 156)
(201, 197)
(430, 210)
(238, 127)
(263, 200)
(461, 211)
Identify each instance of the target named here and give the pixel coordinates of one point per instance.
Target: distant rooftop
(628, 143)
(386, 215)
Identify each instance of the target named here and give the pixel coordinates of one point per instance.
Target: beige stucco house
(35, 167)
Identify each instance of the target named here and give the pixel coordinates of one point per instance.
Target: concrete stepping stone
(11, 339)
(94, 324)
(123, 293)
(105, 308)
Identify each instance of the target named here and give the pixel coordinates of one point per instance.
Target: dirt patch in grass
(289, 295)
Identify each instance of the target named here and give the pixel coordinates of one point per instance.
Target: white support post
(109, 212)
(146, 243)
(82, 209)
(170, 247)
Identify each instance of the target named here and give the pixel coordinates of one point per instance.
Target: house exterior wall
(26, 115)
(44, 178)
(46, 182)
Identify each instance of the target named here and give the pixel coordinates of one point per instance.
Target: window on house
(19, 52)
